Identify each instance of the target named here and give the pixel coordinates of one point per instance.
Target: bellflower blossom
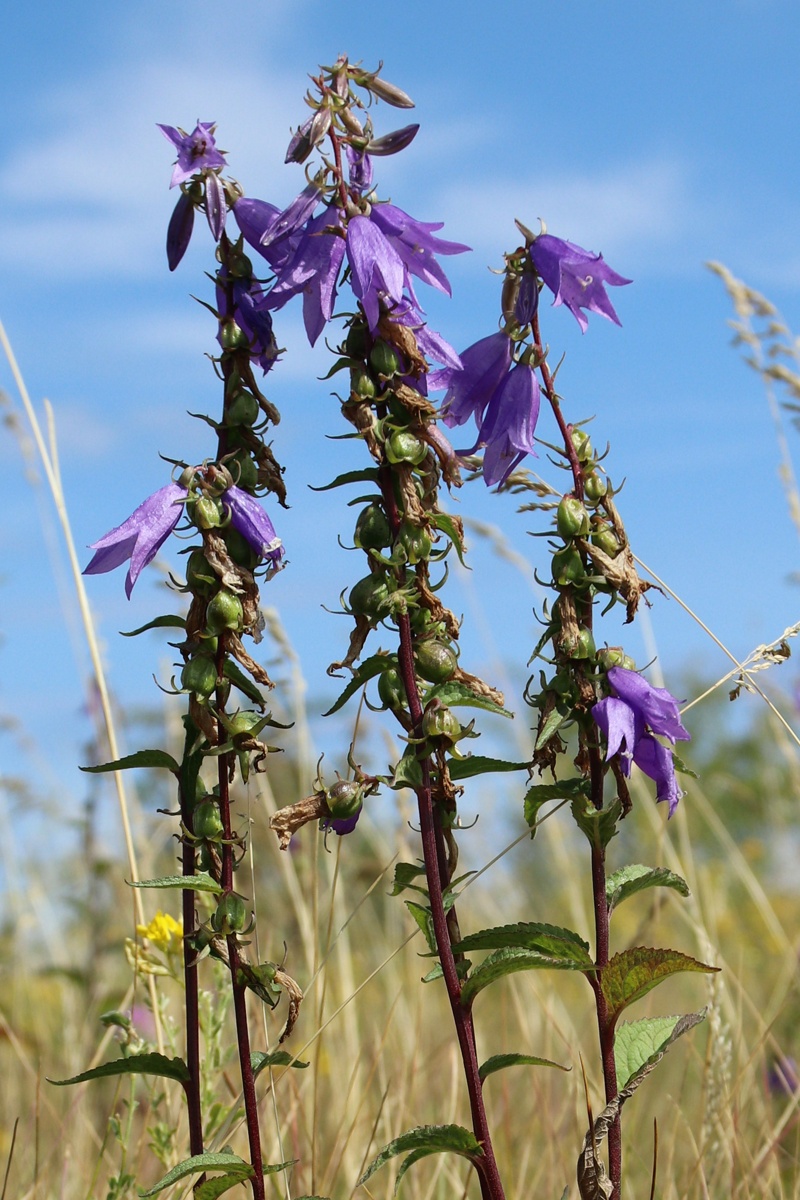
(313, 270)
(507, 428)
(251, 312)
(470, 387)
(629, 719)
(341, 825)
(196, 150)
(576, 277)
(141, 536)
(254, 218)
(249, 518)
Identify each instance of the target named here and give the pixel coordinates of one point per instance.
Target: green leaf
(215, 1186)
(499, 1061)
(540, 793)
(633, 973)
(404, 876)
(134, 1064)
(446, 523)
(599, 825)
(201, 882)
(635, 878)
(550, 940)
(424, 1140)
(368, 473)
(478, 764)
(278, 1058)
(142, 758)
(641, 1043)
(453, 694)
(233, 672)
(408, 772)
(171, 621)
(424, 918)
(231, 1164)
(511, 959)
(555, 719)
(369, 668)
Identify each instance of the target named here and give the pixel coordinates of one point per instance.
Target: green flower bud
(435, 661)
(200, 578)
(416, 542)
(572, 519)
(224, 612)
(199, 675)
(243, 410)
(594, 487)
(344, 799)
(206, 513)
(583, 445)
(568, 567)
(384, 359)
(439, 722)
(369, 597)
(239, 266)
(362, 383)
(584, 646)
(404, 446)
(242, 724)
(230, 915)
(232, 336)
(207, 822)
(615, 656)
(391, 690)
(372, 529)
(605, 539)
(203, 860)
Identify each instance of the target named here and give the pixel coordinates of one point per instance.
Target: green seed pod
(243, 410)
(362, 383)
(384, 359)
(242, 724)
(369, 597)
(605, 539)
(240, 549)
(244, 470)
(584, 646)
(224, 612)
(357, 343)
(230, 915)
(199, 676)
(232, 336)
(572, 519)
(206, 512)
(404, 446)
(568, 567)
(344, 799)
(200, 578)
(583, 446)
(391, 690)
(206, 822)
(594, 487)
(372, 529)
(435, 661)
(416, 542)
(439, 722)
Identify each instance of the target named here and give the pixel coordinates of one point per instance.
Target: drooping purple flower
(141, 536)
(196, 150)
(415, 244)
(293, 216)
(251, 521)
(254, 217)
(300, 145)
(359, 170)
(378, 272)
(313, 270)
(251, 312)
(470, 387)
(507, 428)
(576, 277)
(527, 299)
(341, 825)
(629, 719)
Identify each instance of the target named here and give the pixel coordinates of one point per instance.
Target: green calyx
(404, 446)
(434, 661)
(224, 612)
(230, 915)
(344, 799)
(572, 519)
(370, 597)
(199, 675)
(372, 529)
(207, 822)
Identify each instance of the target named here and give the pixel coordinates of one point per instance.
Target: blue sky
(662, 135)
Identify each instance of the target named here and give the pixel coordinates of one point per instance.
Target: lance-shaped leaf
(215, 1186)
(453, 694)
(598, 826)
(278, 1058)
(201, 882)
(367, 473)
(499, 1062)
(369, 668)
(142, 758)
(422, 1141)
(404, 876)
(233, 672)
(134, 1064)
(635, 878)
(550, 940)
(510, 960)
(424, 918)
(479, 764)
(447, 525)
(641, 1043)
(633, 973)
(540, 793)
(170, 621)
(231, 1164)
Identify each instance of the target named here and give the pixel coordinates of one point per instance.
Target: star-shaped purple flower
(141, 536)
(576, 277)
(415, 245)
(630, 717)
(196, 150)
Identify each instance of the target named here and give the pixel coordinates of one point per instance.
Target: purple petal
(292, 217)
(484, 365)
(341, 825)
(616, 721)
(576, 277)
(656, 761)
(179, 230)
(656, 707)
(507, 429)
(251, 521)
(141, 536)
(216, 209)
(377, 269)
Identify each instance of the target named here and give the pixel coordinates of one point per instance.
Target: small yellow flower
(163, 932)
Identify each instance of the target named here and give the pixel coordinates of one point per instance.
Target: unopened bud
(391, 690)
(572, 519)
(199, 676)
(416, 543)
(206, 513)
(362, 384)
(369, 597)
(384, 359)
(439, 722)
(372, 529)
(605, 539)
(224, 612)
(434, 661)
(404, 446)
(230, 915)
(387, 91)
(231, 335)
(243, 410)
(594, 487)
(392, 143)
(583, 445)
(568, 567)
(207, 822)
(344, 799)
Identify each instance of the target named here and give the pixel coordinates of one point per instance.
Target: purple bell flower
(414, 243)
(341, 825)
(251, 312)
(196, 151)
(251, 521)
(576, 277)
(630, 717)
(359, 170)
(470, 387)
(508, 426)
(378, 271)
(313, 270)
(254, 217)
(179, 230)
(141, 536)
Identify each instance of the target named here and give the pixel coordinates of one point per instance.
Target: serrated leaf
(555, 719)
(201, 882)
(369, 668)
(259, 1060)
(368, 473)
(551, 940)
(540, 793)
(142, 758)
(424, 1140)
(633, 973)
(635, 878)
(454, 694)
(215, 1185)
(424, 918)
(231, 1164)
(498, 1062)
(446, 523)
(235, 675)
(408, 772)
(404, 876)
(640, 1043)
(599, 825)
(509, 960)
(479, 764)
(170, 621)
(134, 1064)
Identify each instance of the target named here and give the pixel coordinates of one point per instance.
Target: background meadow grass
(378, 1042)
